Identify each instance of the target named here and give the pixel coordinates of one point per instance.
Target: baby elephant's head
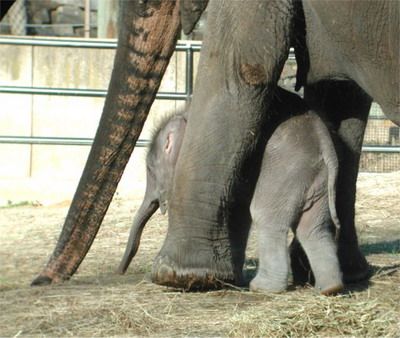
(160, 167)
(161, 158)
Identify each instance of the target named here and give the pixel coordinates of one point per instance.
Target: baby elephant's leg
(272, 231)
(315, 235)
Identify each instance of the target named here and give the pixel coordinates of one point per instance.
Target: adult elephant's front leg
(209, 206)
(346, 107)
(208, 211)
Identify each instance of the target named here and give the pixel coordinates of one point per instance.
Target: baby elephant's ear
(174, 133)
(169, 142)
(191, 11)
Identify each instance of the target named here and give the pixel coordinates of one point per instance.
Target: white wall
(49, 173)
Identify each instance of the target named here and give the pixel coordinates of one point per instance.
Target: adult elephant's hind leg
(353, 263)
(345, 106)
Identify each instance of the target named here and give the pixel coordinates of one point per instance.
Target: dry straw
(98, 303)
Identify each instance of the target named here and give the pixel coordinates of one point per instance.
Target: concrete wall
(49, 173)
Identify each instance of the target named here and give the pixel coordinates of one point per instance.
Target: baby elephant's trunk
(146, 210)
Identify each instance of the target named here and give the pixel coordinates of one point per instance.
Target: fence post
(107, 19)
(86, 28)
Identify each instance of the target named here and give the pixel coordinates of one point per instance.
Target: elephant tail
(331, 161)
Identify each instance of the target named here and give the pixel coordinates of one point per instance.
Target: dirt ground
(98, 302)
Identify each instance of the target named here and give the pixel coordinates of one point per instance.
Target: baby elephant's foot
(264, 284)
(330, 289)
(334, 290)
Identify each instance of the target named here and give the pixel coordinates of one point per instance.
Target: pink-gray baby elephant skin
(348, 55)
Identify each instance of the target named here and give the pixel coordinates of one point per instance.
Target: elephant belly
(358, 41)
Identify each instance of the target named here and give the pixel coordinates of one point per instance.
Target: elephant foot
(332, 290)
(47, 278)
(329, 281)
(41, 281)
(166, 272)
(266, 285)
(353, 264)
(355, 267)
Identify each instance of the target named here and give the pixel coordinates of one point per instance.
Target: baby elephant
(296, 189)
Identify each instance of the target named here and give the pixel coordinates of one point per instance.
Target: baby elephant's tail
(331, 160)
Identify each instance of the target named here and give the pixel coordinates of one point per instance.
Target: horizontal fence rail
(188, 47)
(182, 46)
(51, 25)
(381, 149)
(78, 92)
(72, 141)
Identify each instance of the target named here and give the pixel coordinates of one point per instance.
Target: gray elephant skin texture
(347, 54)
(295, 189)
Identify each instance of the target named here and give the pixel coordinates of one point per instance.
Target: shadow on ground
(391, 247)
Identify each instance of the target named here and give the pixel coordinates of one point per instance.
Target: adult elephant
(348, 54)
(5, 5)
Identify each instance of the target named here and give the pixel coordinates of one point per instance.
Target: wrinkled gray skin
(347, 54)
(296, 189)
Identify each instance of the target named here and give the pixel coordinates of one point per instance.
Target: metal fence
(381, 147)
(189, 48)
(381, 150)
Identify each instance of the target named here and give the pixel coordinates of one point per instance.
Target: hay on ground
(97, 302)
